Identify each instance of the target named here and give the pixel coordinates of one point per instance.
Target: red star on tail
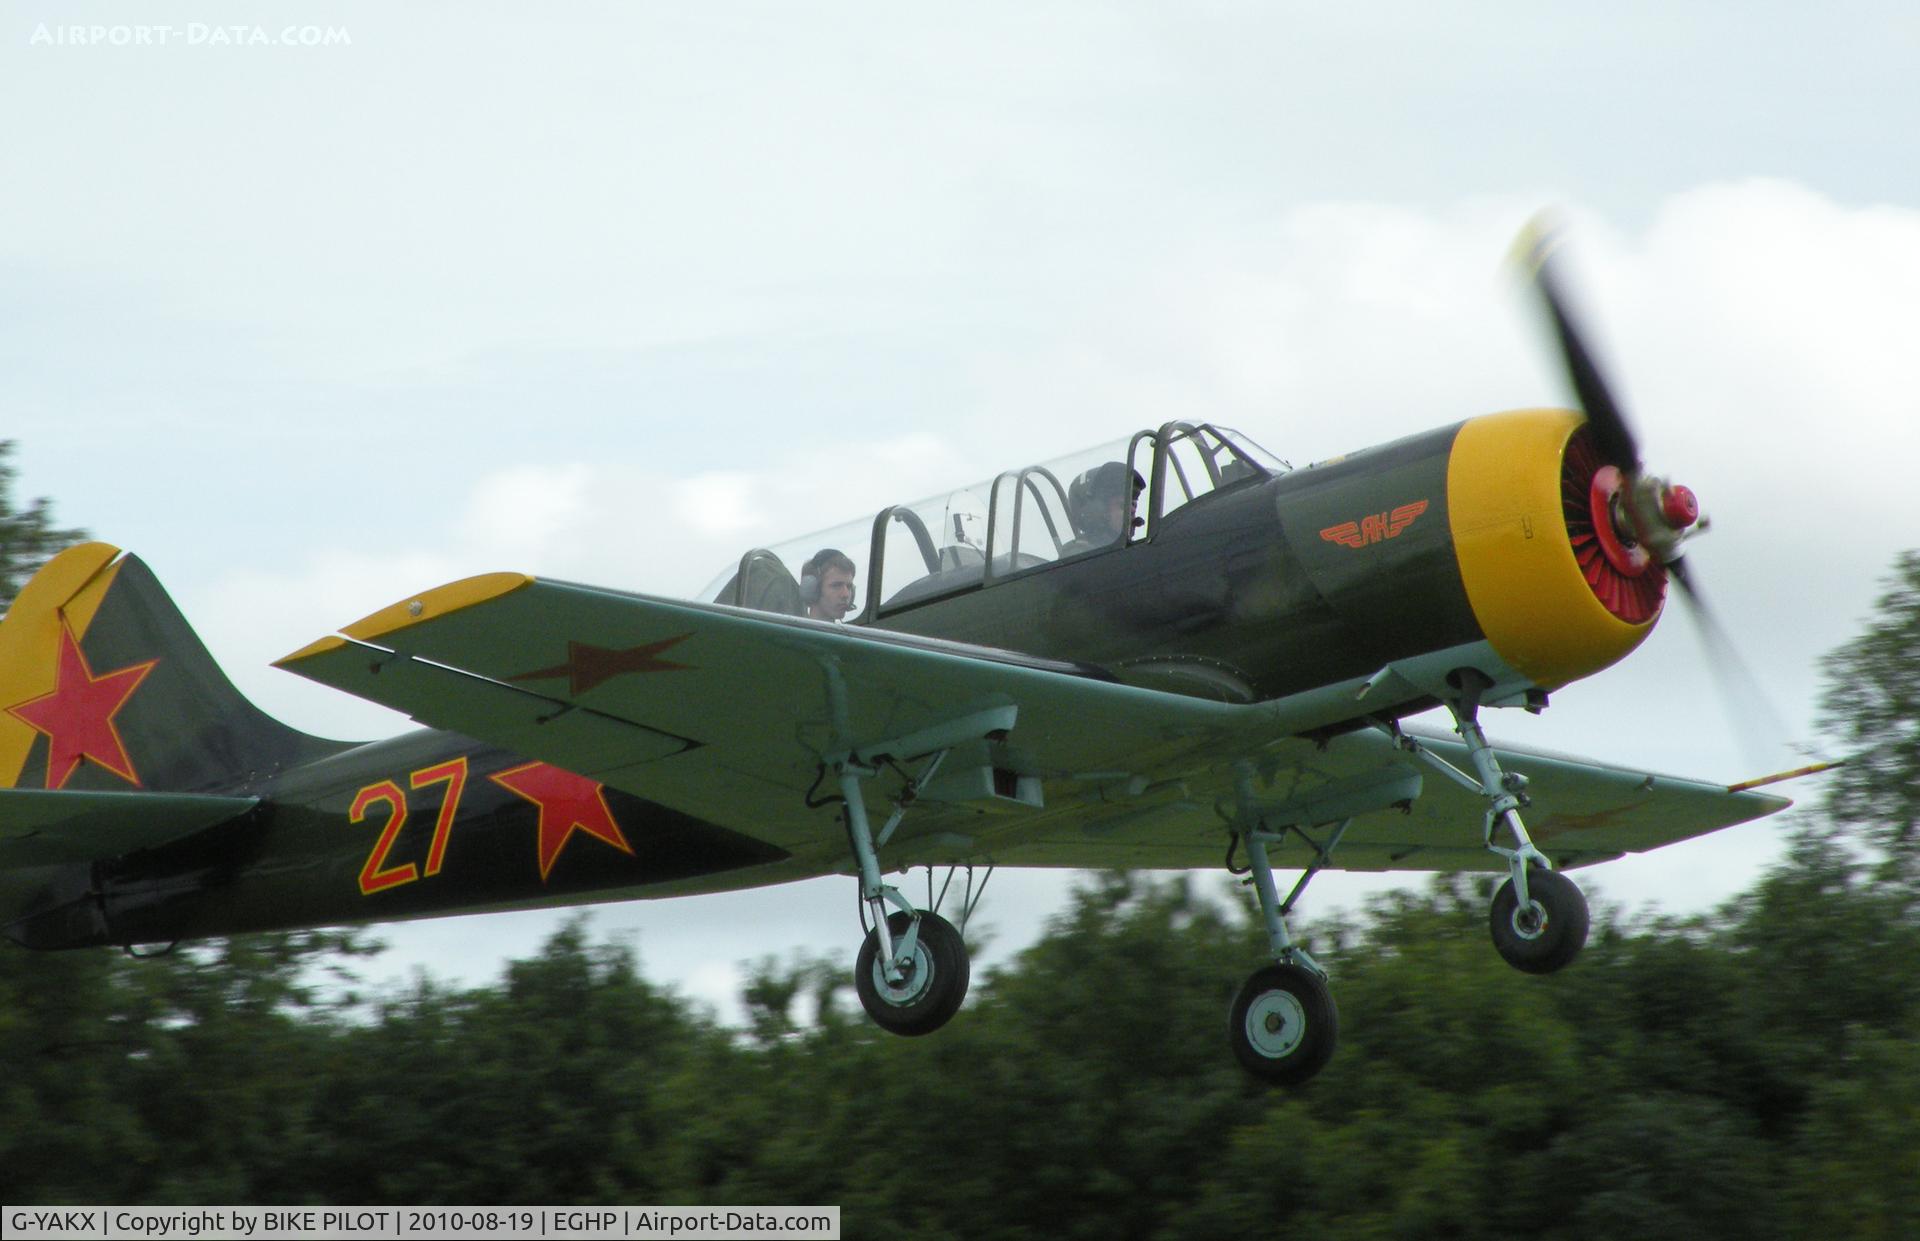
(568, 803)
(77, 717)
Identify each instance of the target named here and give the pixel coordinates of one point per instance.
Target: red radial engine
(1622, 573)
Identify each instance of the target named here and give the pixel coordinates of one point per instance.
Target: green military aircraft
(1175, 652)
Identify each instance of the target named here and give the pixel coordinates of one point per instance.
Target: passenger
(1101, 503)
(826, 585)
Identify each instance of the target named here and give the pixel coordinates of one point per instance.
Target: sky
(314, 305)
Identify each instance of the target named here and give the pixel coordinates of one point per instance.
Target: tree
(28, 537)
(1872, 706)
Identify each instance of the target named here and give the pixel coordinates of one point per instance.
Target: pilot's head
(1100, 502)
(826, 583)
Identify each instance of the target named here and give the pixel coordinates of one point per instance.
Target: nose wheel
(1539, 918)
(1547, 931)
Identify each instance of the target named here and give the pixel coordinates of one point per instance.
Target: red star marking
(77, 716)
(1562, 822)
(568, 803)
(588, 665)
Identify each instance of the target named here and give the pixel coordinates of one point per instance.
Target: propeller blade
(1540, 243)
(1763, 733)
(1662, 514)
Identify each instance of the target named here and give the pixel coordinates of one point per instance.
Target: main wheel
(933, 982)
(1284, 1026)
(1549, 932)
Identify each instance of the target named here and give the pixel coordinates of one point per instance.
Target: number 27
(377, 875)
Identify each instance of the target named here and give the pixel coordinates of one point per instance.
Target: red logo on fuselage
(1374, 527)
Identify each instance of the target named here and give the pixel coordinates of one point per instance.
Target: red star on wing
(77, 717)
(568, 803)
(589, 665)
(1553, 824)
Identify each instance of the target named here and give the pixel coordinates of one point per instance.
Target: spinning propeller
(1640, 519)
(1629, 525)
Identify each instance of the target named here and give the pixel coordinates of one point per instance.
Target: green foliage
(187, 1077)
(1872, 706)
(28, 536)
(543, 1089)
(1749, 1074)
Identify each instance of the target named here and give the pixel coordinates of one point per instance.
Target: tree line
(1751, 1072)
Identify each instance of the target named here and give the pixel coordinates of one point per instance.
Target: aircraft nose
(1557, 590)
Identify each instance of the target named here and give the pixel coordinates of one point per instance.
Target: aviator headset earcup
(809, 588)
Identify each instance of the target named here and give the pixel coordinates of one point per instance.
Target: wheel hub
(915, 974)
(1530, 920)
(1276, 1024)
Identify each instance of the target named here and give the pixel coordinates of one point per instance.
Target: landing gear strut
(913, 968)
(1539, 918)
(1283, 1026)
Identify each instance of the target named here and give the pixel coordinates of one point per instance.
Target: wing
(1406, 815)
(729, 715)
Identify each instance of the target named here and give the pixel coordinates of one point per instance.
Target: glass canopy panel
(769, 579)
(1193, 461)
(1022, 520)
(1244, 446)
(931, 548)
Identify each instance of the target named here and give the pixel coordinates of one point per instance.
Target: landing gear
(913, 968)
(932, 972)
(912, 971)
(1283, 1026)
(1548, 931)
(1539, 918)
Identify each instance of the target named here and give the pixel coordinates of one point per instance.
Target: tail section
(105, 688)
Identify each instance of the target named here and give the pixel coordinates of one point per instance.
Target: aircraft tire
(1553, 937)
(1284, 1025)
(931, 993)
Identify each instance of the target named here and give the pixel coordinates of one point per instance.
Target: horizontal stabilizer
(45, 827)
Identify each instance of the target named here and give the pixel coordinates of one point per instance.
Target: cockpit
(1021, 521)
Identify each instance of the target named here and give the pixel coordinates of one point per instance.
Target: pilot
(826, 585)
(1101, 503)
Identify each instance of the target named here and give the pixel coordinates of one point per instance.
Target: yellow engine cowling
(1512, 501)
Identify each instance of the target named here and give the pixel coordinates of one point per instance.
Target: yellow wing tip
(321, 647)
(435, 603)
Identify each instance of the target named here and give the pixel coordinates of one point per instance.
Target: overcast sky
(315, 317)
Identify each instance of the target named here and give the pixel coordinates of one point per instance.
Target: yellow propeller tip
(1538, 239)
